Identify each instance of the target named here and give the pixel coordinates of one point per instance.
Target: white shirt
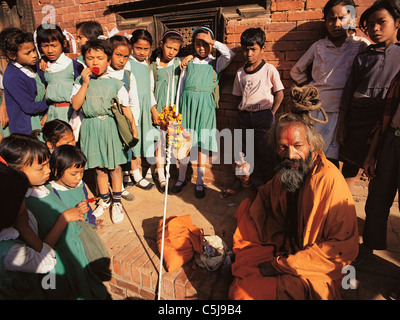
(330, 68)
(59, 65)
(257, 89)
(133, 93)
(122, 95)
(26, 70)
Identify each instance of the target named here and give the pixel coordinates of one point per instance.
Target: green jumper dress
(75, 277)
(40, 95)
(197, 105)
(72, 196)
(145, 146)
(80, 59)
(161, 85)
(15, 285)
(99, 137)
(4, 132)
(59, 88)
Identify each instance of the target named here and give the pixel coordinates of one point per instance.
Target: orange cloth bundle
(181, 240)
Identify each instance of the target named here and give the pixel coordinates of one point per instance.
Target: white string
(36, 45)
(178, 93)
(129, 36)
(68, 37)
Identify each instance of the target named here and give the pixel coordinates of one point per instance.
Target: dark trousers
(261, 122)
(382, 191)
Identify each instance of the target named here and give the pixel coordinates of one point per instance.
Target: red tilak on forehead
(289, 135)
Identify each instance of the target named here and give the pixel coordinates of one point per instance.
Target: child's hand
(185, 62)
(3, 115)
(206, 37)
(369, 167)
(43, 120)
(73, 214)
(154, 116)
(42, 65)
(85, 74)
(83, 206)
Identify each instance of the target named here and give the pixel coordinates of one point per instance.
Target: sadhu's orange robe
(327, 239)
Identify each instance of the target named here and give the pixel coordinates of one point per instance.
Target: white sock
(139, 178)
(200, 176)
(161, 174)
(182, 174)
(149, 172)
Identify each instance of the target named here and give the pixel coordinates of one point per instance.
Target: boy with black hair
(259, 90)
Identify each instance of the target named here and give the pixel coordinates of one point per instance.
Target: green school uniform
(41, 92)
(75, 278)
(145, 146)
(99, 137)
(80, 59)
(161, 85)
(4, 132)
(16, 285)
(197, 104)
(59, 88)
(72, 196)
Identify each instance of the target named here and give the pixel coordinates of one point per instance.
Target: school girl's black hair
(54, 130)
(252, 36)
(141, 34)
(13, 187)
(392, 6)
(332, 3)
(119, 40)
(53, 33)
(170, 34)
(90, 29)
(98, 44)
(20, 150)
(64, 157)
(11, 40)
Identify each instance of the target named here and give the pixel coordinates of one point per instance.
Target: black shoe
(148, 187)
(199, 194)
(129, 183)
(161, 186)
(176, 189)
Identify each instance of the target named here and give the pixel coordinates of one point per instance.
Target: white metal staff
(188, 141)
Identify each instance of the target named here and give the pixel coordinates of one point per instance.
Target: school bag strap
(124, 125)
(216, 77)
(126, 79)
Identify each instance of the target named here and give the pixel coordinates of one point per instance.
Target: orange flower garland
(172, 124)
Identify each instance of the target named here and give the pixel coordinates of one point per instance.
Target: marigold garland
(172, 124)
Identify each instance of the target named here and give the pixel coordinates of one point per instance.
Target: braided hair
(304, 100)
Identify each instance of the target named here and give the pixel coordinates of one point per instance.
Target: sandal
(227, 193)
(176, 189)
(148, 187)
(199, 191)
(235, 189)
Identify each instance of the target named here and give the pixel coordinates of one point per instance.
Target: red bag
(181, 240)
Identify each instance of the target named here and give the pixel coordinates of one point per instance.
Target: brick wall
(291, 27)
